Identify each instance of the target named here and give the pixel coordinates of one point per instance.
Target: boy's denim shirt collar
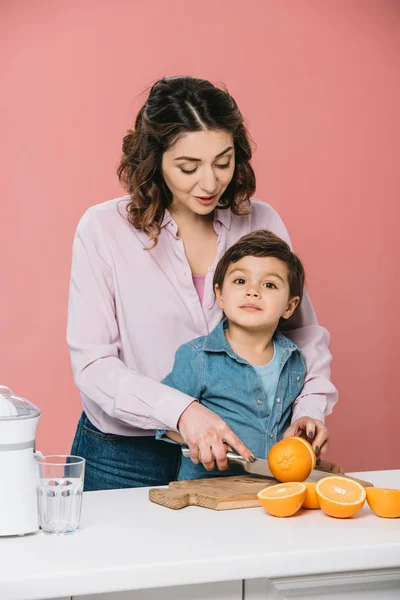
(216, 342)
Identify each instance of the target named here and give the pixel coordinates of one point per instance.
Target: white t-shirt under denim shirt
(269, 375)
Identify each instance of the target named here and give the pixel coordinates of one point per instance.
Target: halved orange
(384, 502)
(291, 459)
(340, 497)
(283, 499)
(311, 499)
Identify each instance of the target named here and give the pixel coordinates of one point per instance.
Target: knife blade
(260, 468)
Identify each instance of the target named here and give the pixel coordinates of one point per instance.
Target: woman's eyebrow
(224, 151)
(191, 159)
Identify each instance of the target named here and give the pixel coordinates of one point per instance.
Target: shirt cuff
(313, 406)
(168, 411)
(148, 404)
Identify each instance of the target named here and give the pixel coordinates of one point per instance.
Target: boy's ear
(291, 307)
(218, 295)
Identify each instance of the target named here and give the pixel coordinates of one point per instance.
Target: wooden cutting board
(217, 493)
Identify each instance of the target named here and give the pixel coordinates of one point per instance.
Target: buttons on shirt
(277, 400)
(211, 269)
(209, 306)
(271, 435)
(298, 378)
(217, 224)
(259, 401)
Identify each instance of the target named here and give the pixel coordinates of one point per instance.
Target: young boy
(245, 370)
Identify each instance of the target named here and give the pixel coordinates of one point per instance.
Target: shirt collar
(285, 342)
(224, 216)
(216, 341)
(166, 219)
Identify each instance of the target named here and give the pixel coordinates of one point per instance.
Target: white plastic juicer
(18, 498)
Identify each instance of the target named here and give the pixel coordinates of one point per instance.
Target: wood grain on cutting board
(217, 493)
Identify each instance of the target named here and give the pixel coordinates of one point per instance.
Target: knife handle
(231, 456)
(329, 467)
(186, 451)
(236, 458)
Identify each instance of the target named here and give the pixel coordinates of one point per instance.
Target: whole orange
(291, 459)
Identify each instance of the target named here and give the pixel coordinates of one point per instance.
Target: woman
(141, 285)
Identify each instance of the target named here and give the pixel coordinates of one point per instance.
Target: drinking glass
(59, 488)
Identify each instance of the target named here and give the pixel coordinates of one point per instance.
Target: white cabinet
(227, 590)
(368, 585)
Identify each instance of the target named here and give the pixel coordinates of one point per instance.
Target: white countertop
(126, 543)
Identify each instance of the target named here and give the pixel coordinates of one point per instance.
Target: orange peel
(384, 502)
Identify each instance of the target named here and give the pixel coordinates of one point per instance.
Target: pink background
(319, 85)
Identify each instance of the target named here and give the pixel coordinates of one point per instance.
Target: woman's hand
(317, 434)
(208, 437)
(312, 430)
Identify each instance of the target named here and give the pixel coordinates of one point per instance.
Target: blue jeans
(117, 461)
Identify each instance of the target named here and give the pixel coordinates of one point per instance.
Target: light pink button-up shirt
(130, 309)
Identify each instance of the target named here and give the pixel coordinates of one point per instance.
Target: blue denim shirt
(208, 369)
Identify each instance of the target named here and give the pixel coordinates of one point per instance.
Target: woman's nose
(208, 182)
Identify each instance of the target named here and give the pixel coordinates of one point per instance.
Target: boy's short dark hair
(263, 243)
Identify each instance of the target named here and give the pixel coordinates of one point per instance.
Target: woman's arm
(318, 395)
(93, 339)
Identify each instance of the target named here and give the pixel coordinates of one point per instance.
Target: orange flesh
(282, 500)
(340, 497)
(336, 491)
(282, 490)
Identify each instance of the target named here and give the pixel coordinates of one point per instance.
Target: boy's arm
(185, 377)
(175, 437)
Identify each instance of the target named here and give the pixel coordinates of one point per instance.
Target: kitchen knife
(260, 468)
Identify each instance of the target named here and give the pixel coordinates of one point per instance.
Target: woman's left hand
(312, 430)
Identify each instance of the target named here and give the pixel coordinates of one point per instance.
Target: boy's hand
(206, 435)
(312, 430)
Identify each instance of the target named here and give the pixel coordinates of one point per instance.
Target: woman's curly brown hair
(177, 105)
